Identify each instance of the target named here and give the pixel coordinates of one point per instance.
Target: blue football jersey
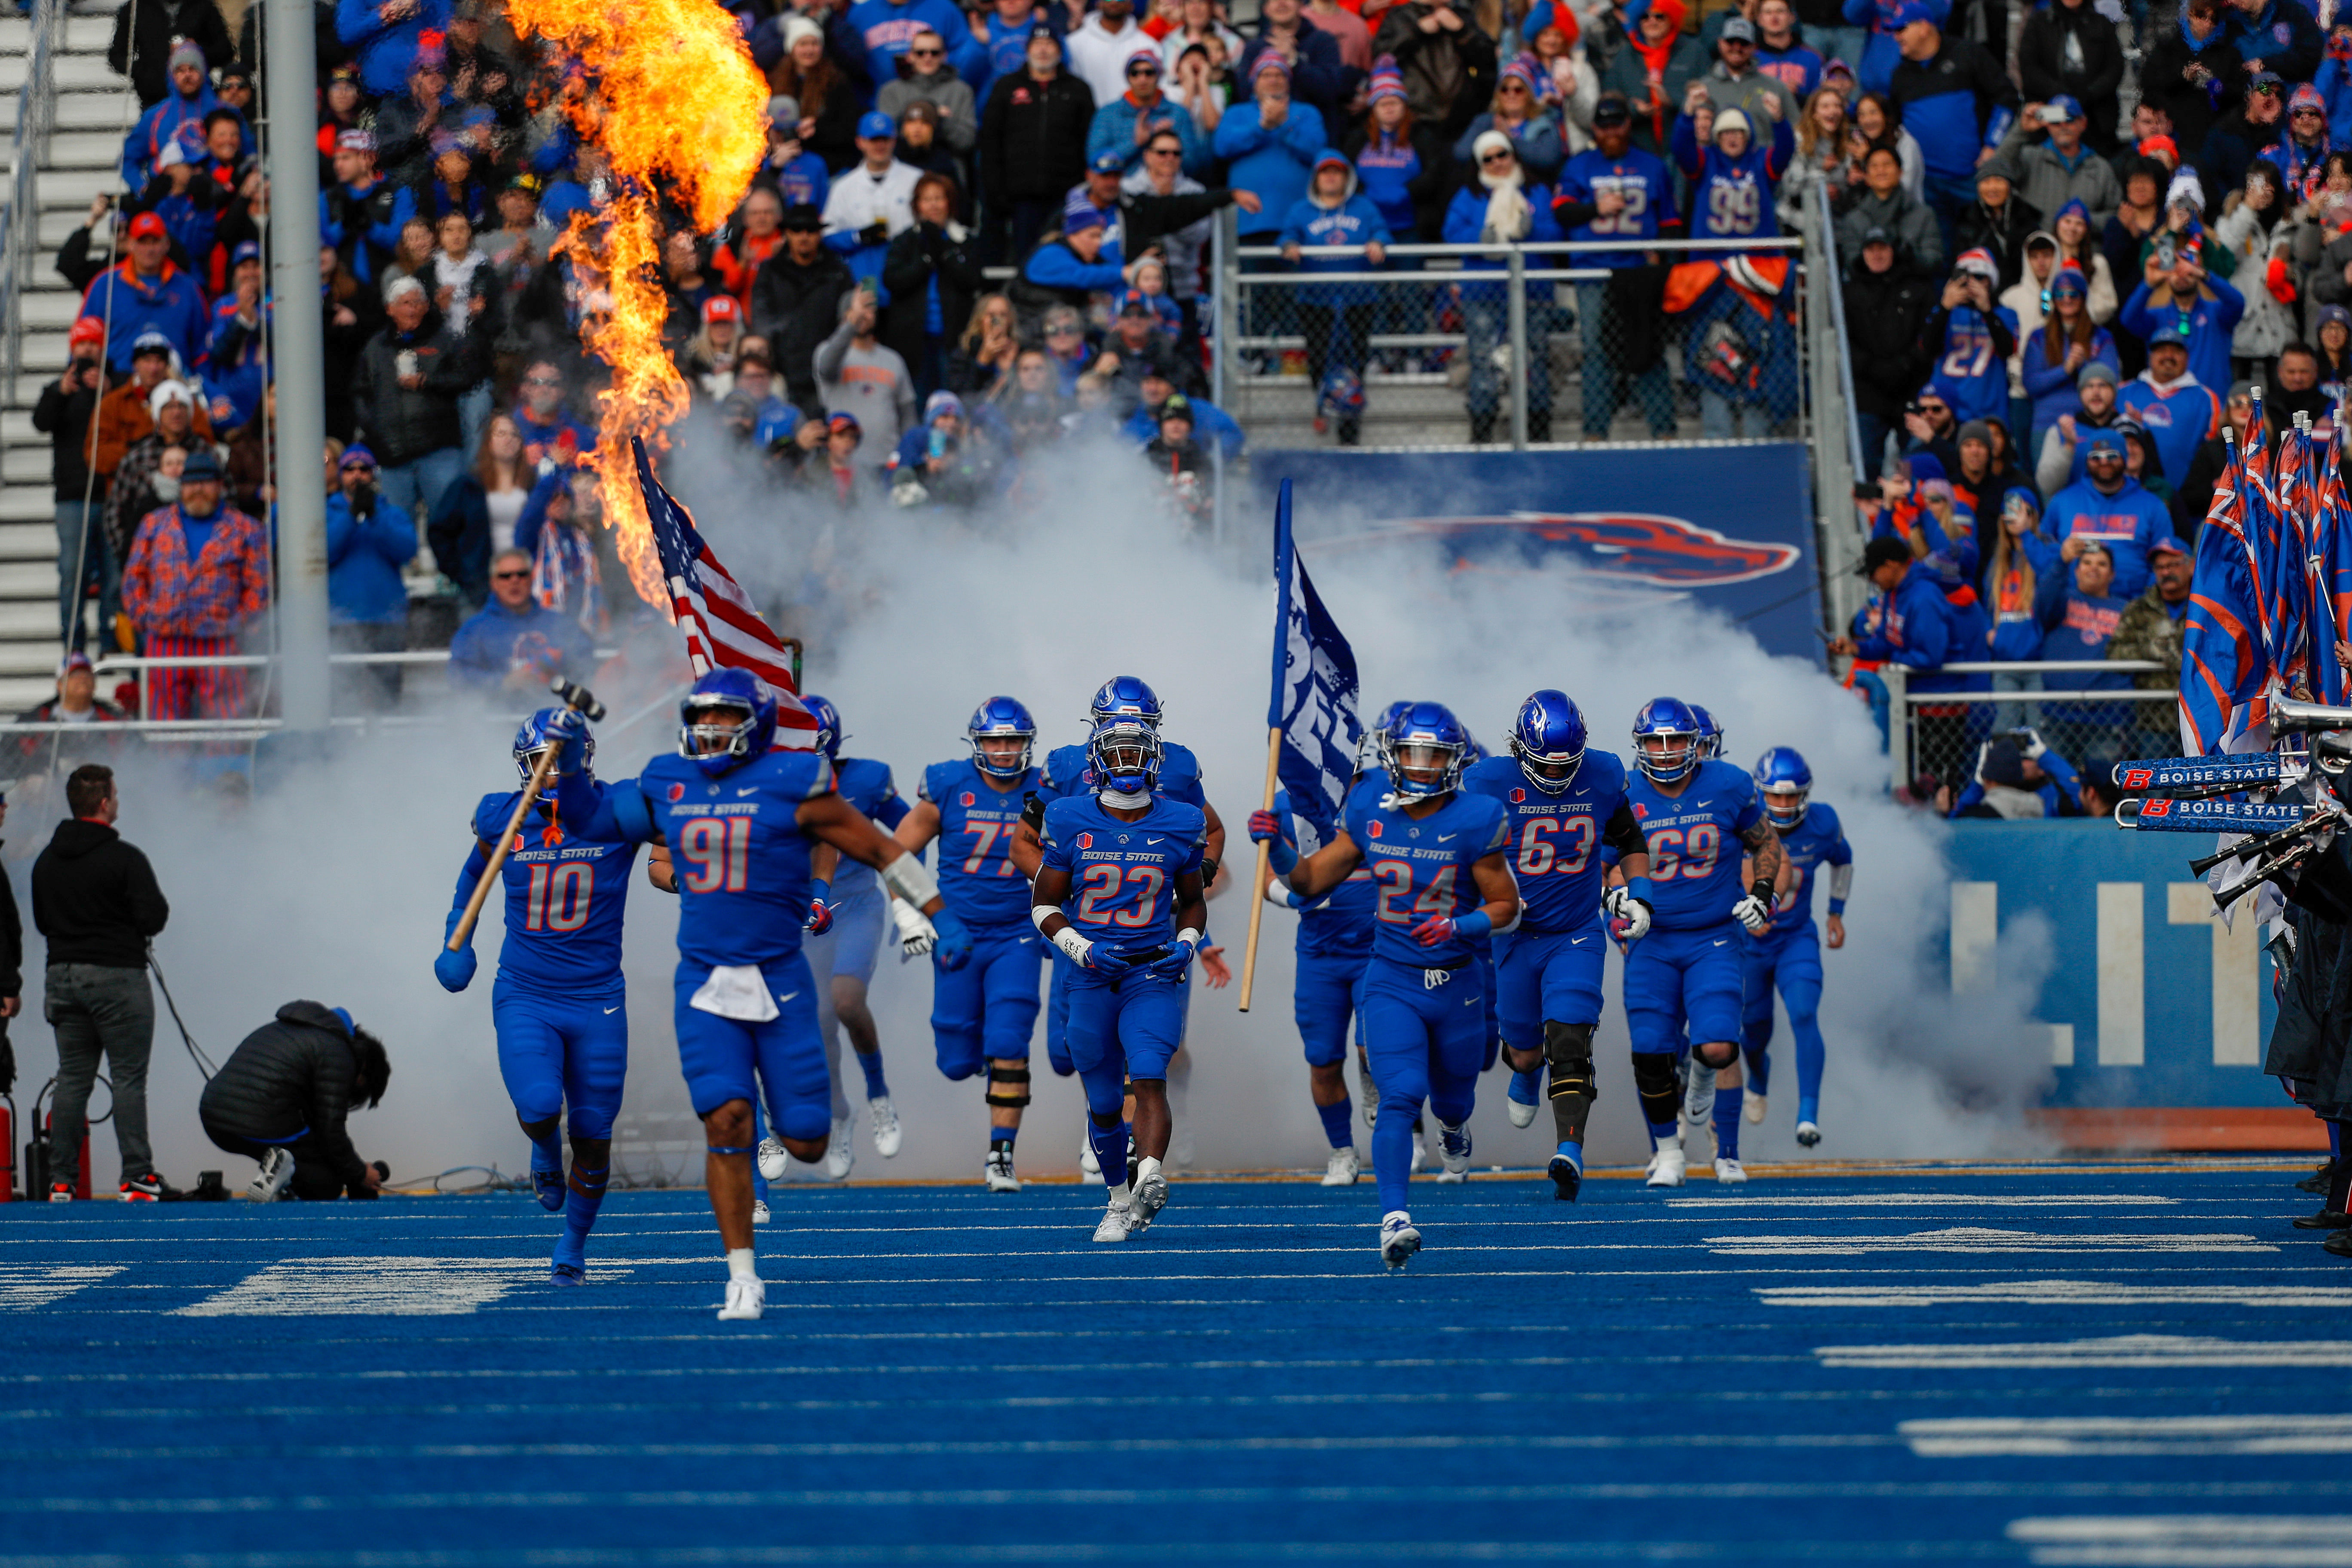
(977, 877)
(1422, 868)
(1067, 774)
(1693, 839)
(1556, 838)
(1644, 183)
(867, 784)
(1817, 840)
(1123, 874)
(742, 860)
(566, 894)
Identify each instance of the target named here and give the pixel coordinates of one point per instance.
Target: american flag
(721, 627)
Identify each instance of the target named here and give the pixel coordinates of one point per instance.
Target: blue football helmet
(828, 725)
(1424, 748)
(720, 746)
(1710, 733)
(1124, 755)
(1368, 752)
(1000, 718)
(1786, 784)
(532, 738)
(1670, 720)
(1124, 697)
(1548, 738)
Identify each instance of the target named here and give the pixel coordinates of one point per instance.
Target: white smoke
(334, 882)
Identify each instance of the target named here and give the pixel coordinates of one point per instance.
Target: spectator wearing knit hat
(1068, 266)
(198, 573)
(1269, 144)
(1970, 339)
(1500, 206)
(1337, 318)
(2058, 460)
(1517, 112)
(177, 116)
(2051, 358)
(148, 476)
(368, 542)
(1123, 126)
(1402, 168)
(362, 213)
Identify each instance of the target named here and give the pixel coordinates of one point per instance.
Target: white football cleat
(1399, 1240)
(1119, 1219)
(1150, 1194)
(1090, 1168)
(1521, 1115)
(774, 1161)
(839, 1155)
(884, 1117)
(1343, 1169)
(1453, 1150)
(998, 1171)
(1367, 1095)
(1667, 1166)
(1808, 1134)
(758, 1211)
(1754, 1110)
(1420, 1153)
(1699, 1097)
(746, 1299)
(1729, 1172)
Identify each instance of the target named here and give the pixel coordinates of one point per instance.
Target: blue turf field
(2136, 1364)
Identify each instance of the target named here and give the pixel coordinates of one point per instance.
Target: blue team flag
(2225, 656)
(1313, 704)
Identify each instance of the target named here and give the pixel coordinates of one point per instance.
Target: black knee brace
(1008, 1085)
(1728, 1049)
(1567, 1047)
(1654, 1080)
(543, 1128)
(1108, 1120)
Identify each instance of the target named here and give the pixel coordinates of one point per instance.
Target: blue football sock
(1811, 1054)
(1110, 1152)
(1727, 1122)
(581, 1198)
(1392, 1141)
(1570, 1149)
(547, 1152)
(1339, 1123)
(1004, 1135)
(1760, 1070)
(1527, 1088)
(876, 1087)
(2336, 1140)
(1664, 1132)
(1809, 1109)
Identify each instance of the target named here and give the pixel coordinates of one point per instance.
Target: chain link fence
(1448, 345)
(1942, 735)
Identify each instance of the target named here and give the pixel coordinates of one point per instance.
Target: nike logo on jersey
(1448, 838)
(790, 994)
(741, 792)
(1721, 941)
(610, 1010)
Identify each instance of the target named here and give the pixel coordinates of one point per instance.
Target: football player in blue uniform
(842, 953)
(560, 1005)
(1787, 952)
(1125, 863)
(1710, 733)
(1065, 776)
(1688, 971)
(739, 820)
(1442, 884)
(1334, 944)
(985, 1011)
(1562, 805)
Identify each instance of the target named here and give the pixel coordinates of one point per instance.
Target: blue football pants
(562, 1051)
(1423, 1044)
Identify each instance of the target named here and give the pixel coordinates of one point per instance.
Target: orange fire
(673, 102)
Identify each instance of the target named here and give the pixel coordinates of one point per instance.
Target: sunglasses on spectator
(1497, 156)
(926, 54)
(2306, 109)
(1513, 86)
(542, 380)
(1162, 151)
(508, 576)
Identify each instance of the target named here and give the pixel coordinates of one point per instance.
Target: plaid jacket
(223, 588)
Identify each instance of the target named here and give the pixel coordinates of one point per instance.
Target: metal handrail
(1485, 248)
(1837, 321)
(2032, 666)
(36, 102)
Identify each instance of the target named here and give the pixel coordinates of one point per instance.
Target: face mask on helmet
(1785, 805)
(1548, 740)
(1000, 733)
(1125, 756)
(715, 731)
(533, 740)
(1419, 763)
(1667, 755)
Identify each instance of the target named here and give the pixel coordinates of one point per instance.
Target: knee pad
(1133, 1082)
(1568, 1048)
(1104, 1121)
(1654, 1081)
(1008, 1085)
(544, 1128)
(1717, 1054)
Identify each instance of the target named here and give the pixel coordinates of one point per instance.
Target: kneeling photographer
(284, 1094)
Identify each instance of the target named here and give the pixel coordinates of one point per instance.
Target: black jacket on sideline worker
(292, 1084)
(95, 897)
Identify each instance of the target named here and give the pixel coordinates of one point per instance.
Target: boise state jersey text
(1694, 843)
(1421, 867)
(977, 876)
(1123, 874)
(1818, 840)
(740, 857)
(566, 895)
(1555, 838)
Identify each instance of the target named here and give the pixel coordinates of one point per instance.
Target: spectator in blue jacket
(146, 292)
(2052, 358)
(1337, 316)
(517, 644)
(385, 33)
(1500, 207)
(2021, 779)
(2079, 611)
(2109, 509)
(2192, 307)
(1956, 102)
(235, 372)
(179, 117)
(2335, 81)
(368, 542)
(1532, 126)
(884, 28)
(1124, 125)
(1078, 261)
(362, 213)
(1971, 340)
(2022, 556)
(1210, 423)
(2271, 35)
(1886, 20)
(1268, 145)
(1913, 624)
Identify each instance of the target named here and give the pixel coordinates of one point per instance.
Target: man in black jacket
(96, 902)
(411, 375)
(1032, 148)
(284, 1094)
(63, 415)
(796, 303)
(1886, 306)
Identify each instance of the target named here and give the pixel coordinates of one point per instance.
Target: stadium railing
(1836, 446)
(1940, 732)
(1528, 353)
(20, 225)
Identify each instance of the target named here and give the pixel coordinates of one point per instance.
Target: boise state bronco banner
(1728, 528)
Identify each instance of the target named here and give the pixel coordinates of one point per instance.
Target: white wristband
(911, 880)
(1037, 913)
(1189, 935)
(1072, 944)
